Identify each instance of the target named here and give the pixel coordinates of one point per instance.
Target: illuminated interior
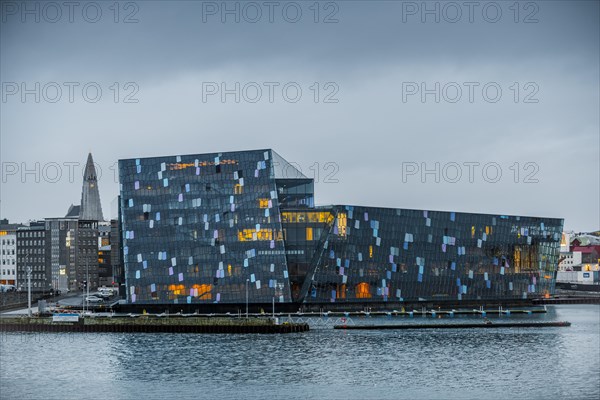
(363, 291)
(247, 235)
(342, 222)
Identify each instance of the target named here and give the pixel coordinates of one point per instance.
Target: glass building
(223, 227)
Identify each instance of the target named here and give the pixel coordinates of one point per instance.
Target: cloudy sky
(488, 108)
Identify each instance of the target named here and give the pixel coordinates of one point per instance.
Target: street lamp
(87, 273)
(28, 270)
(247, 280)
(83, 296)
(86, 287)
(29, 291)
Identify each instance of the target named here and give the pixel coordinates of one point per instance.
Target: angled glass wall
(205, 228)
(304, 231)
(202, 228)
(381, 254)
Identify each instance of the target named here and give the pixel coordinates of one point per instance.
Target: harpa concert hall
(232, 227)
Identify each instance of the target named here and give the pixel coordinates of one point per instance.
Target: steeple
(91, 208)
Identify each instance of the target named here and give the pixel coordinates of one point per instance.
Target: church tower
(91, 209)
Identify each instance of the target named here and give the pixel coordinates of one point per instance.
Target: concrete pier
(457, 326)
(147, 325)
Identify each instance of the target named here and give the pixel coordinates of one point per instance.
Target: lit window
(341, 224)
(250, 234)
(309, 233)
(363, 291)
(263, 203)
(202, 291)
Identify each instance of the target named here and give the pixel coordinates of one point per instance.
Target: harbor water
(503, 363)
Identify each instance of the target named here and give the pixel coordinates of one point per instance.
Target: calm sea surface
(532, 363)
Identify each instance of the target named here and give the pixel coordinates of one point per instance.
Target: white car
(105, 289)
(93, 299)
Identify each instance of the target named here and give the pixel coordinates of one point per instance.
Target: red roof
(587, 249)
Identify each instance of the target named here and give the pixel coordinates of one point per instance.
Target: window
(263, 203)
(341, 224)
(363, 291)
(309, 233)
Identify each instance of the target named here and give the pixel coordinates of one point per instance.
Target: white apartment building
(8, 257)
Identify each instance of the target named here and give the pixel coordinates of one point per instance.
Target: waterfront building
(62, 247)
(579, 259)
(226, 227)
(73, 251)
(570, 261)
(105, 270)
(32, 244)
(86, 256)
(115, 252)
(8, 253)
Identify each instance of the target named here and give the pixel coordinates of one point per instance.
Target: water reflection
(502, 363)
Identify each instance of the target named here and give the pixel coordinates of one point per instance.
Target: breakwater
(457, 326)
(142, 324)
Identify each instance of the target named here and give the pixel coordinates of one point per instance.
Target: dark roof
(10, 227)
(585, 249)
(73, 212)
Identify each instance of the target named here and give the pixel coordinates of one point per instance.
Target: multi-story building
(115, 255)
(105, 270)
(570, 261)
(73, 252)
(8, 253)
(32, 256)
(86, 255)
(62, 233)
(579, 252)
(74, 238)
(215, 228)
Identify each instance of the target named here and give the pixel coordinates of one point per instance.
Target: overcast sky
(387, 91)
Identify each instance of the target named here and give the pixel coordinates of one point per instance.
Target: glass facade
(386, 254)
(203, 228)
(223, 227)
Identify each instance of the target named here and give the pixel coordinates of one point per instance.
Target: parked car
(93, 299)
